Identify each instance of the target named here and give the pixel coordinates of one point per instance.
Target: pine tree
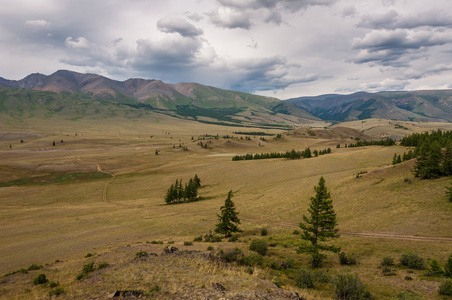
(320, 225)
(229, 218)
(197, 180)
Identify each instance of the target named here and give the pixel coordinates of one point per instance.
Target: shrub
(198, 239)
(233, 238)
(53, 284)
(188, 243)
(230, 255)
(387, 261)
(34, 267)
(446, 288)
(209, 237)
(102, 265)
(88, 255)
(349, 286)
(304, 279)
(296, 232)
(289, 263)
(170, 242)
(387, 271)
(407, 277)
(448, 267)
(347, 259)
(412, 261)
(86, 269)
(252, 259)
(260, 246)
(40, 279)
(264, 232)
(435, 269)
(140, 253)
(210, 248)
(56, 292)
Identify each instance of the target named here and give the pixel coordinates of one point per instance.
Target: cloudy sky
(284, 49)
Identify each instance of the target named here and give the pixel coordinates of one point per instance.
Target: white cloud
(37, 24)
(78, 43)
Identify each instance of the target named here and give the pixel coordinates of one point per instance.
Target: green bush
(210, 248)
(448, 267)
(140, 253)
(53, 284)
(435, 269)
(86, 269)
(408, 295)
(211, 238)
(34, 267)
(412, 261)
(260, 246)
(188, 243)
(40, 279)
(56, 292)
(304, 279)
(387, 271)
(88, 255)
(387, 261)
(446, 288)
(233, 238)
(198, 239)
(252, 259)
(264, 232)
(102, 265)
(347, 259)
(231, 255)
(349, 286)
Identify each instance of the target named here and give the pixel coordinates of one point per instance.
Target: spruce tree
(320, 226)
(229, 218)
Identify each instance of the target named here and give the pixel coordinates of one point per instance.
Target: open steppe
(100, 190)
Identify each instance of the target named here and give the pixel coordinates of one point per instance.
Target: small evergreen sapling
(228, 218)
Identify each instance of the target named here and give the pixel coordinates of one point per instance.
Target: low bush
(86, 269)
(264, 232)
(233, 238)
(40, 279)
(231, 255)
(304, 279)
(211, 238)
(252, 260)
(102, 265)
(448, 267)
(198, 239)
(408, 295)
(387, 271)
(56, 292)
(434, 269)
(34, 267)
(347, 259)
(412, 261)
(53, 284)
(187, 243)
(387, 261)
(348, 286)
(140, 253)
(260, 246)
(446, 288)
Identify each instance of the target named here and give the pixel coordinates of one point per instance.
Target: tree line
(178, 193)
(433, 151)
(386, 142)
(293, 154)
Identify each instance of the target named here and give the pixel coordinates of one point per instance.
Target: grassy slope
(44, 222)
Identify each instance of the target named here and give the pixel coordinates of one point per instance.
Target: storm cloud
(286, 48)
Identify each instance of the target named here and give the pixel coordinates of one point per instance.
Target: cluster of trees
(397, 159)
(433, 152)
(293, 154)
(178, 193)
(385, 142)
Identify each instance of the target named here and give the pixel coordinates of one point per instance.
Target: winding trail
(104, 192)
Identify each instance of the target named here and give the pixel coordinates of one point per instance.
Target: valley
(100, 190)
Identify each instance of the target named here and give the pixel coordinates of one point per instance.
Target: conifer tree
(320, 226)
(229, 219)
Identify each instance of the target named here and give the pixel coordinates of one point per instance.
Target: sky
(282, 49)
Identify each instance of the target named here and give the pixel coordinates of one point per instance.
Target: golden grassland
(47, 213)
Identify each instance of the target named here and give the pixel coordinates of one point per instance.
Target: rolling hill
(61, 90)
(426, 106)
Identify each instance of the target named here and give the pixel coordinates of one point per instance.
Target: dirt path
(105, 190)
(363, 234)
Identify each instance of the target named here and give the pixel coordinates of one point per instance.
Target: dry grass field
(101, 190)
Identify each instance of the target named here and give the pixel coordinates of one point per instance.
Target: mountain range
(186, 100)
(64, 90)
(424, 106)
